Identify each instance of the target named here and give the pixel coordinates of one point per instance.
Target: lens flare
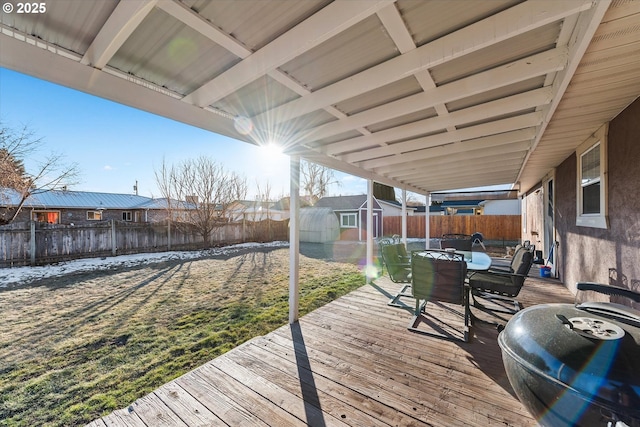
(182, 50)
(243, 125)
(371, 272)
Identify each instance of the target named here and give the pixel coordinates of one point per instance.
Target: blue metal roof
(81, 200)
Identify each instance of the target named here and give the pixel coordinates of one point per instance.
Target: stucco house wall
(611, 255)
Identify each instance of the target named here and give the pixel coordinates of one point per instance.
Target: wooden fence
(492, 227)
(39, 243)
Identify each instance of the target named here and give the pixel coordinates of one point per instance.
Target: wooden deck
(350, 363)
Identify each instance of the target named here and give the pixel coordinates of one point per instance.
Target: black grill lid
(553, 341)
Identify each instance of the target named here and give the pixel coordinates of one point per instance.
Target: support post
(294, 239)
(370, 268)
(427, 231)
(404, 217)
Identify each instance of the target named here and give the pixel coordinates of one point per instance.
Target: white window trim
(350, 214)
(127, 214)
(600, 220)
(95, 213)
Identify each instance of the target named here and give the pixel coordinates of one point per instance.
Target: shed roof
(343, 203)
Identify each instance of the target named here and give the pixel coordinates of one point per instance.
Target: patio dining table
(475, 260)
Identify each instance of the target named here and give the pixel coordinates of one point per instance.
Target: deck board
(351, 363)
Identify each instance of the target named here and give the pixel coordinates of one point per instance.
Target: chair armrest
(499, 269)
(399, 264)
(498, 273)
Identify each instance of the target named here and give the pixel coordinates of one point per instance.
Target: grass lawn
(76, 347)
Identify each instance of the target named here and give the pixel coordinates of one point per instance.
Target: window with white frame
(592, 181)
(126, 216)
(348, 220)
(94, 215)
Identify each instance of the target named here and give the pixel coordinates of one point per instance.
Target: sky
(114, 145)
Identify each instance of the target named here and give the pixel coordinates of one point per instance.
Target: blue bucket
(545, 271)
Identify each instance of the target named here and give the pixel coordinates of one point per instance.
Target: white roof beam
(546, 62)
(320, 27)
(181, 12)
(125, 18)
(457, 178)
(512, 103)
(509, 23)
(408, 150)
(523, 136)
(489, 178)
(192, 19)
(454, 167)
(474, 153)
(397, 30)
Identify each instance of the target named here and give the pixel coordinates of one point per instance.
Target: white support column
(427, 232)
(369, 269)
(294, 239)
(404, 217)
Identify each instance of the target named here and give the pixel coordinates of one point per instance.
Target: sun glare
(272, 151)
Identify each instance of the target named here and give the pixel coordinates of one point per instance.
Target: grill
(576, 365)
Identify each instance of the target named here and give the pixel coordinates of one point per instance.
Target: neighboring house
(433, 210)
(351, 212)
(283, 206)
(588, 210)
(500, 207)
(251, 210)
(472, 206)
(461, 207)
(394, 208)
(81, 207)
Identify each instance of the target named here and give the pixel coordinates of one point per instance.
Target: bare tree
(50, 173)
(199, 192)
(315, 180)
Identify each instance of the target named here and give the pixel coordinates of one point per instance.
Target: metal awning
(420, 95)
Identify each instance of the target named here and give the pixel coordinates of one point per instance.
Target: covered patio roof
(420, 95)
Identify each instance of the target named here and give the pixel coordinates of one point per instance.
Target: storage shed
(318, 225)
(352, 214)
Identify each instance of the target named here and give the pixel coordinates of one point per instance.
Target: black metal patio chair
(439, 277)
(460, 242)
(396, 261)
(502, 286)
